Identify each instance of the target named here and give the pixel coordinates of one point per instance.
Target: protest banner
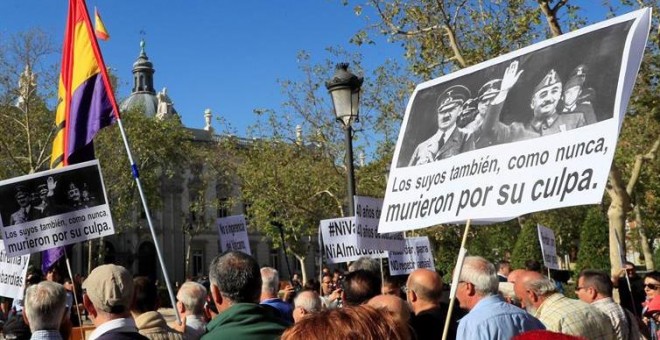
(233, 234)
(548, 247)
(416, 254)
(340, 241)
(367, 215)
(54, 208)
(531, 130)
(12, 273)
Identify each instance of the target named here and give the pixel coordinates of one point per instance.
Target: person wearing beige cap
(108, 293)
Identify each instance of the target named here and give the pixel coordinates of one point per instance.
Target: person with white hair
(539, 296)
(270, 287)
(190, 303)
(45, 307)
(490, 317)
(305, 303)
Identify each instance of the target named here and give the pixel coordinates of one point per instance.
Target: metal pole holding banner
(454, 280)
(136, 176)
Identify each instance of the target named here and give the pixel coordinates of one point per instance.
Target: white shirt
(122, 325)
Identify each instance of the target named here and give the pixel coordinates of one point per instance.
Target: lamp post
(344, 88)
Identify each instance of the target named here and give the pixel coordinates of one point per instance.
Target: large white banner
(54, 208)
(367, 215)
(233, 234)
(416, 254)
(531, 130)
(340, 241)
(548, 247)
(12, 272)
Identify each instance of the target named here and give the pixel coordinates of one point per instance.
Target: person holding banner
(448, 140)
(545, 119)
(489, 317)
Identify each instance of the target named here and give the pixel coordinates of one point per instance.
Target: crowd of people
(240, 300)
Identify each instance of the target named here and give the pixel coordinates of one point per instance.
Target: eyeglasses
(577, 289)
(651, 286)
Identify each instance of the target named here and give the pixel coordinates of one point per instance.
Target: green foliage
(161, 149)
(26, 121)
(293, 185)
(493, 242)
(527, 245)
(594, 242)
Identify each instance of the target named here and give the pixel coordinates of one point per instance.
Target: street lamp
(344, 87)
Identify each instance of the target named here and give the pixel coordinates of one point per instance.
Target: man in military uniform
(487, 93)
(448, 140)
(21, 215)
(546, 119)
(576, 99)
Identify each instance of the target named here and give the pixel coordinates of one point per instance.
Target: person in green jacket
(235, 288)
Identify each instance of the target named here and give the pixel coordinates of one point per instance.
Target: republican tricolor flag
(86, 102)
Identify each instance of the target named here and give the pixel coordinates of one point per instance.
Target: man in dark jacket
(235, 288)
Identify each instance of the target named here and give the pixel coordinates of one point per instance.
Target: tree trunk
(646, 250)
(616, 214)
(303, 268)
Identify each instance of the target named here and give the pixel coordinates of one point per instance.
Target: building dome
(143, 96)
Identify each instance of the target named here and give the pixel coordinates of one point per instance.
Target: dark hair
(237, 276)
(533, 265)
(503, 264)
(597, 279)
(145, 294)
(360, 286)
(655, 275)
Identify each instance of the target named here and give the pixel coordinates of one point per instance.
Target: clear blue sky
(222, 55)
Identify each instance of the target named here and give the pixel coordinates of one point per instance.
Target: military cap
(578, 76)
(550, 78)
(21, 191)
(490, 89)
(453, 96)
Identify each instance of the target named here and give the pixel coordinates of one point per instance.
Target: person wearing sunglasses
(652, 290)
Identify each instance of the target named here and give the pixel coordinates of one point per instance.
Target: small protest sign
(367, 215)
(340, 241)
(233, 234)
(548, 247)
(416, 254)
(54, 208)
(12, 273)
(532, 130)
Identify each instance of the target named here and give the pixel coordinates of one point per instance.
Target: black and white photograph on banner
(541, 93)
(532, 130)
(54, 208)
(50, 195)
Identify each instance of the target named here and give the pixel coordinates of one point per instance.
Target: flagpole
(136, 176)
